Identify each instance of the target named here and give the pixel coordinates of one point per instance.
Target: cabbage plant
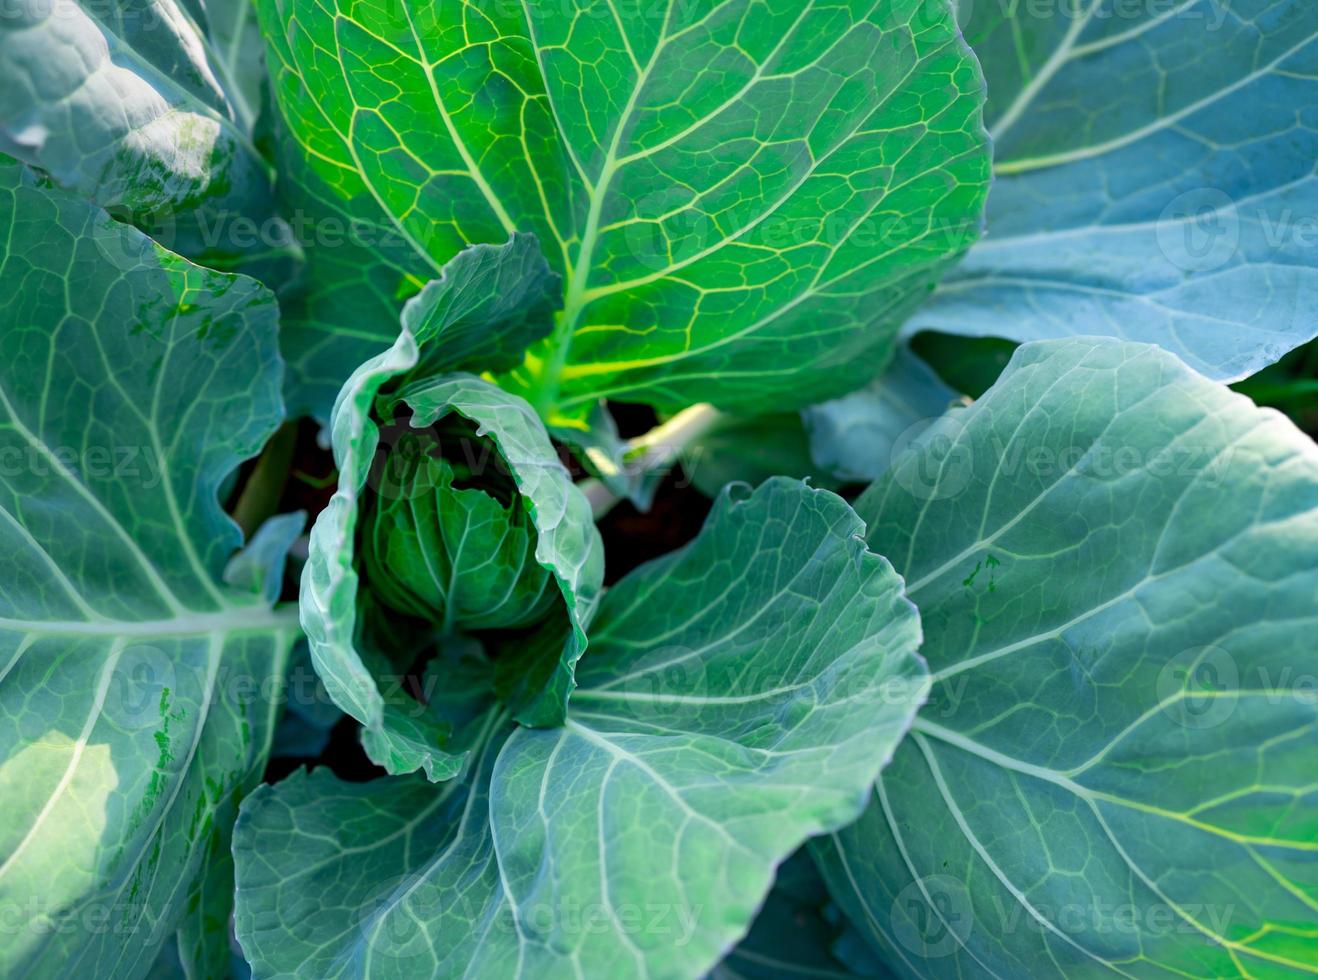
(677, 489)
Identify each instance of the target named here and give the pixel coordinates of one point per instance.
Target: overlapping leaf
(1116, 562)
(487, 307)
(476, 284)
(131, 384)
(738, 697)
(793, 936)
(743, 199)
(1155, 178)
(234, 36)
(857, 436)
(126, 104)
(738, 449)
(344, 307)
(537, 681)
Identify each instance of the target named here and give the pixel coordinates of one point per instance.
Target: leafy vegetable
(127, 104)
(454, 556)
(1154, 178)
(556, 283)
(1115, 563)
(738, 697)
(855, 437)
(567, 542)
(732, 193)
(125, 740)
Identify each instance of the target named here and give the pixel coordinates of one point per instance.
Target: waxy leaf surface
(738, 697)
(131, 383)
(1116, 564)
(1155, 178)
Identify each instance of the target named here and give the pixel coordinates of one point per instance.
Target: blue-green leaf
(739, 696)
(1154, 178)
(259, 568)
(856, 437)
(344, 307)
(131, 384)
(1116, 562)
(328, 599)
(126, 104)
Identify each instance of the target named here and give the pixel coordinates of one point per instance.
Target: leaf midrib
(234, 618)
(1027, 164)
(576, 298)
(1064, 780)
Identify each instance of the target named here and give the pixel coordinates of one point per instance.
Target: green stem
(662, 444)
(658, 449)
(260, 495)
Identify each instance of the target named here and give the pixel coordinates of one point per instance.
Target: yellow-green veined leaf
(743, 199)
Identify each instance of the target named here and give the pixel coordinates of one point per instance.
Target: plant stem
(260, 495)
(656, 450)
(602, 499)
(662, 444)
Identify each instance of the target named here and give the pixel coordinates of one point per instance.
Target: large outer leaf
(1116, 562)
(738, 697)
(120, 102)
(1155, 178)
(131, 383)
(743, 198)
(334, 876)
